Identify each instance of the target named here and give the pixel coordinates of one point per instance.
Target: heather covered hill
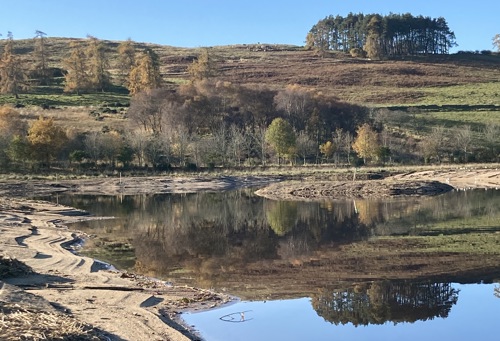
(456, 79)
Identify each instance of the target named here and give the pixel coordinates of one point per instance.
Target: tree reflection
(380, 302)
(282, 216)
(212, 238)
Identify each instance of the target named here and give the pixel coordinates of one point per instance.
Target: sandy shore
(124, 306)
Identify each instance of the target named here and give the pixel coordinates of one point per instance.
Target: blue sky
(197, 23)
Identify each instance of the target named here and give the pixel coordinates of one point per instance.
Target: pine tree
(76, 79)
(145, 75)
(13, 77)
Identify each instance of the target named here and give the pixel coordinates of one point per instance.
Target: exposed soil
(429, 182)
(121, 306)
(354, 189)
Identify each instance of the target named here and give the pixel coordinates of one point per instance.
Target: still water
(474, 317)
(306, 270)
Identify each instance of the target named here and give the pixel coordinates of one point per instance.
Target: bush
(358, 53)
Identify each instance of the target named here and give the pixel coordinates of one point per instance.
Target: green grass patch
(471, 243)
(93, 99)
(475, 118)
(467, 94)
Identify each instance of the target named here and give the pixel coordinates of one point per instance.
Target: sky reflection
(474, 317)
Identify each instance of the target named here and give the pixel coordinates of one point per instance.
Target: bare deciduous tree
(491, 134)
(463, 139)
(41, 63)
(433, 145)
(153, 110)
(306, 147)
(293, 100)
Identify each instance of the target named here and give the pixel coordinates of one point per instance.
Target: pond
(473, 317)
(332, 269)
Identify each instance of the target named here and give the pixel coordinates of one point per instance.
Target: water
(475, 317)
(314, 270)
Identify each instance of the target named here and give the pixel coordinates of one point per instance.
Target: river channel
(351, 270)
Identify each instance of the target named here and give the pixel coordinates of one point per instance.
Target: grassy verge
(58, 100)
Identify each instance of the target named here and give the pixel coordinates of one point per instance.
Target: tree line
(205, 123)
(162, 136)
(86, 68)
(392, 35)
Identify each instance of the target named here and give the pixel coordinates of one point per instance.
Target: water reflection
(473, 317)
(381, 302)
(258, 248)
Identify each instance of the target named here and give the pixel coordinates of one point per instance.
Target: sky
(199, 23)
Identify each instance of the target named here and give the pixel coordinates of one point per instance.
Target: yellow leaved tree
(145, 75)
(366, 144)
(46, 139)
(13, 77)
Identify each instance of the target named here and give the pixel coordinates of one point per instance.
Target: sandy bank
(123, 306)
(428, 182)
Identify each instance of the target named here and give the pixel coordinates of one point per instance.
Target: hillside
(435, 108)
(459, 79)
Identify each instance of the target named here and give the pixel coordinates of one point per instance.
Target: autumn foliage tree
(98, 65)
(203, 67)
(126, 60)
(327, 150)
(13, 77)
(373, 46)
(366, 144)
(145, 75)
(46, 139)
(76, 78)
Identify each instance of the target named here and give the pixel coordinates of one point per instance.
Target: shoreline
(123, 305)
